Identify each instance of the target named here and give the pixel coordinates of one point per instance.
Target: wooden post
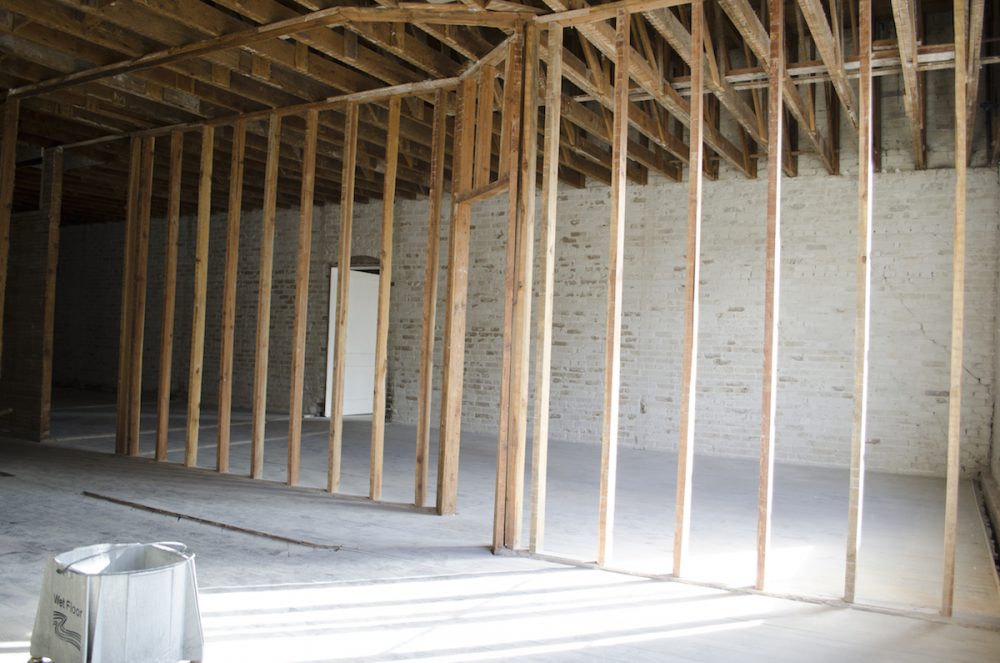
(543, 349)
(511, 131)
(384, 292)
(200, 292)
(957, 309)
(139, 293)
(866, 167)
(524, 263)
(54, 170)
(772, 283)
(169, 293)
(229, 285)
(689, 374)
(453, 352)
(259, 404)
(8, 166)
(302, 296)
(426, 388)
(616, 264)
(343, 292)
(128, 282)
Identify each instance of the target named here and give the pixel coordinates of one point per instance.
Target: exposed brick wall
(911, 312)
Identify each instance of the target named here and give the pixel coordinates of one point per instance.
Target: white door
(359, 361)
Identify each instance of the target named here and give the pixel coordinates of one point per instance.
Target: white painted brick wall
(910, 318)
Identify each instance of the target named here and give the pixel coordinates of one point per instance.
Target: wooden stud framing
(523, 264)
(8, 166)
(866, 169)
(616, 263)
(343, 292)
(302, 297)
(259, 405)
(543, 347)
(384, 292)
(772, 284)
(510, 166)
(426, 388)
(141, 273)
(229, 284)
(957, 310)
(200, 292)
(453, 351)
(689, 374)
(128, 281)
(54, 171)
(169, 294)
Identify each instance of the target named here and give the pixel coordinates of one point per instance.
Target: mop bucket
(112, 603)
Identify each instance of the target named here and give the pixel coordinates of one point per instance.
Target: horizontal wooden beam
(288, 27)
(605, 12)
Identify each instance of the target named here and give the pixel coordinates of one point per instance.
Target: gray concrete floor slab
(408, 585)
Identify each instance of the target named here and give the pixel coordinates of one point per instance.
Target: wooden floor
(409, 585)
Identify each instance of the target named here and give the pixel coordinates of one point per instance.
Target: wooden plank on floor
(343, 292)
(229, 284)
(866, 174)
(200, 293)
(8, 167)
(547, 268)
(689, 370)
(957, 309)
(53, 193)
(263, 339)
(511, 131)
(426, 386)
(384, 292)
(772, 284)
(169, 293)
(453, 352)
(524, 264)
(125, 318)
(301, 314)
(616, 265)
(143, 210)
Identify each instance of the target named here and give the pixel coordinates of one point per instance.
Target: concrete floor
(409, 585)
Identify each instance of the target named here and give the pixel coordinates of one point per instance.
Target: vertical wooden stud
(343, 292)
(524, 262)
(426, 388)
(543, 351)
(302, 296)
(511, 131)
(261, 350)
(139, 294)
(200, 292)
(384, 292)
(616, 264)
(54, 170)
(453, 351)
(957, 309)
(8, 166)
(169, 294)
(772, 283)
(866, 168)
(689, 374)
(229, 284)
(125, 320)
